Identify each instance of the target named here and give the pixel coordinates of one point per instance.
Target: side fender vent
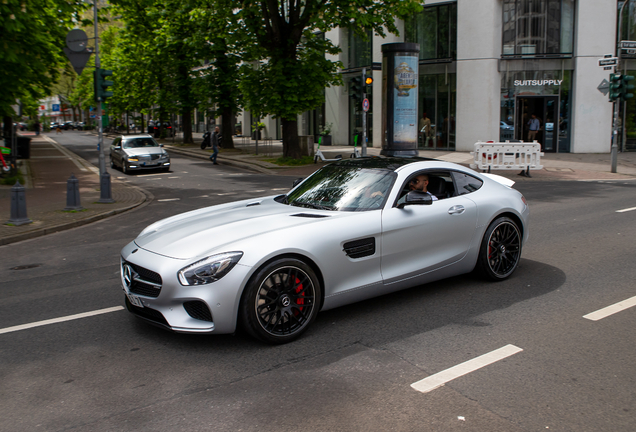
(360, 248)
(309, 215)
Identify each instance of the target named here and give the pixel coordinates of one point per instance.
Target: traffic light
(616, 87)
(356, 88)
(626, 87)
(368, 82)
(101, 84)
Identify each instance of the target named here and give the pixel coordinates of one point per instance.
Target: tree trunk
(291, 146)
(226, 129)
(186, 120)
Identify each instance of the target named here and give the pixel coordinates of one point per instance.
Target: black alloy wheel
(280, 301)
(500, 249)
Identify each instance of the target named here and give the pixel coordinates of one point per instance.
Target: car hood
(144, 151)
(198, 233)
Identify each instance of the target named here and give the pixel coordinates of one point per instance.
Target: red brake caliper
(300, 301)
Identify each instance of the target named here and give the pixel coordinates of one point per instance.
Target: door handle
(456, 210)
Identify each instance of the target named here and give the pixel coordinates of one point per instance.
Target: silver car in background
(351, 231)
(138, 152)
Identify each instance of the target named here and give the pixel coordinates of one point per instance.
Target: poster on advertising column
(405, 102)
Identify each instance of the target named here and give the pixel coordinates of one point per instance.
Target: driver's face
(419, 183)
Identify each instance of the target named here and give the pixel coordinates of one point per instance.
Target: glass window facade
(437, 107)
(435, 29)
(360, 50)
(538, 27)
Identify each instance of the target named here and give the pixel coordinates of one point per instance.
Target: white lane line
(441, 378)
(168, 199)
(277, 189)
(172, 177)
(203, 196)
(61, 319)
(626, 210)
(227, 193)
(611, 310)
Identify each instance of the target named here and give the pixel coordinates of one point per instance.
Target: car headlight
(133, 159)
(209, 269)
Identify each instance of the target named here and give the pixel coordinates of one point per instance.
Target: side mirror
(297, 181)
(416, 198)
(160, 145)
(117, 147)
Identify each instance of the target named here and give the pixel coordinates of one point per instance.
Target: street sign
(612, 61)
(55, 107)
(365, 105)
(78, 59)
(76, 40)
(628, 44)
(604, 87)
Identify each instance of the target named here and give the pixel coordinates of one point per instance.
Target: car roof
(380, 162)
(127, 137)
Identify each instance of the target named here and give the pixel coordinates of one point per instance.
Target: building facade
(486, 68)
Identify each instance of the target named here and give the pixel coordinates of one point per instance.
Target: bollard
(72, 194)
(18, 206)
(104, 189)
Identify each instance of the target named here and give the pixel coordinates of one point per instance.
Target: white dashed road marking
(626, 210)
(441, 378)
(61, 319)
(611, 310)
(168, 199)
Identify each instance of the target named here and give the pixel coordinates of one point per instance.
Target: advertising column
(399, 99)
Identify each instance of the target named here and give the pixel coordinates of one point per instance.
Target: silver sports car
(354, 229)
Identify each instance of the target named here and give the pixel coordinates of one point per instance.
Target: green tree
(285, 70)
(31, 47)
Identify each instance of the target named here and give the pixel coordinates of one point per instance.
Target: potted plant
(325, 134)
(256, 129)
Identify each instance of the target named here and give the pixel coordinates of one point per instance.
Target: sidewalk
(46, 174)
(556, 166)
(50, 166)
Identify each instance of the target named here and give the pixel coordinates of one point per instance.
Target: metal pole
(364, 113)
(614, 151)
(98, 109)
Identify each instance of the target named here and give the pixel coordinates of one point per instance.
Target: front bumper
(161, 300)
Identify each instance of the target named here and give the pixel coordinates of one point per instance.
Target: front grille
(147, 313)
(145, 282)
(198, 310)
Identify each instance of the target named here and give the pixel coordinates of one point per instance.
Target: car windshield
(140, 142)
(343, 189)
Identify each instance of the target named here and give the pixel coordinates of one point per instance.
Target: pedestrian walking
(216, 140)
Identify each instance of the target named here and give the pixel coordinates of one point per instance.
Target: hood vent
(252, 204)
(360, 248)
(309, 215)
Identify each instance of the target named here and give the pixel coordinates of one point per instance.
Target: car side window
(440, 184)
(116, 142)
(465, 183)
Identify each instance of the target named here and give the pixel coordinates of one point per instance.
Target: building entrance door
(546, 109)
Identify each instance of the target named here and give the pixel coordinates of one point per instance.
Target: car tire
(500, 250)
(124, 169)
(280, 301)
(112, 163)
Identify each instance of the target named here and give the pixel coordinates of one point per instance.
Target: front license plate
(134, 300)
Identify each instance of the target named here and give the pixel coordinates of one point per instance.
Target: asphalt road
(353, 369)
